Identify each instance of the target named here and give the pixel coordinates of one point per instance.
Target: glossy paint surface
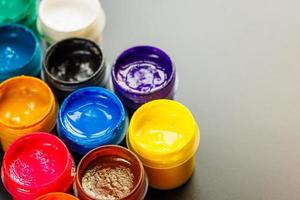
(24, 101)
(164, 134)
(143, 70)
(37, 164)
(19, 51)
(57, 196)
(91, 117)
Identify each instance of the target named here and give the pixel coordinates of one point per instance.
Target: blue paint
(20, 52)
(91, 117)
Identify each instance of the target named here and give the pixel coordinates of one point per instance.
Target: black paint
(72, 64)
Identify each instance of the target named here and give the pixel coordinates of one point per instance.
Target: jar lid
(91, 117)
(163, 133)
(24, 102)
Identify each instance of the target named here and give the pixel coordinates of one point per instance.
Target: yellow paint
(26, 105)
(165, 136)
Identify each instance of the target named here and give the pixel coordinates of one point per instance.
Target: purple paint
(142, 74)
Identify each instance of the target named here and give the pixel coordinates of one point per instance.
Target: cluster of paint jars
(70, 124)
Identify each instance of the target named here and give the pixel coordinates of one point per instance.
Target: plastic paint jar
(20, 52)
(91, 117)
(128, 180)
(165, 136)
(36, 164)
(142, 74)
(72, 64)
(61, 19)
(19, 11)
(26, 105)
(57, 196)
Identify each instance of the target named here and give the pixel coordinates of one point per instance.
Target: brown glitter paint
(110, 173)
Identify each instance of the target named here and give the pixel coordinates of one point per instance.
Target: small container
(26, 105)
(117, 164)
(91, 117)
(37, 164)
(57, 196)
(61, 19)
(20, 52)
(19, 11)
(165, 136)
(72, 64)
(142, 74)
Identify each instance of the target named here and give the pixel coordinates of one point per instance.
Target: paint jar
(20, 52)
(165, 136)
(142, 74)
(72, 64)
(91, 117)
(57, 196)
(124, 170)
(26, 105)
(19, 11)
(61, 19)
(37, 164)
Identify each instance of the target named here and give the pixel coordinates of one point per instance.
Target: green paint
(19, 11)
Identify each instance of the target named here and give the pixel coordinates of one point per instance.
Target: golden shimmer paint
(165, 136)
(27, 105)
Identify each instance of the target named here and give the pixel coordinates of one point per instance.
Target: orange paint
(27, 104)
(57, 196)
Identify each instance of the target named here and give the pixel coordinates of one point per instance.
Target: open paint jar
(165, 136)
(20, 52)
(61, 19)
(19, 11)
(37, 164)
(72, 64)
(26, 105)
(57, 196)
(142, 74)
(91, 117)
(110, 172)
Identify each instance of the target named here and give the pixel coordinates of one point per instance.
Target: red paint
(36, 164)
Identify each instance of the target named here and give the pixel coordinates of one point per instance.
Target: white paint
(69, 16)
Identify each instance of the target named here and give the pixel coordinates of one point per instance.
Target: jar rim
(136, 160)
(31, 136)
(132, 50)
(96, 90)
(50, 105)
(177, 147)
(101, 68)
(44, 22)
(29, 32)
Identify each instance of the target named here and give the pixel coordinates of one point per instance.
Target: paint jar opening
(15, 10)
(18, 46)
(81, 15)
(36, 164)
(141, 74)
(57, 196)
(36, 103)
(91, 117)
(144, 59)
(74, 61)
(163, 133)
(111, 159)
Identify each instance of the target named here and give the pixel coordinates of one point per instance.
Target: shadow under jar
(110, 172)
(72, 64)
